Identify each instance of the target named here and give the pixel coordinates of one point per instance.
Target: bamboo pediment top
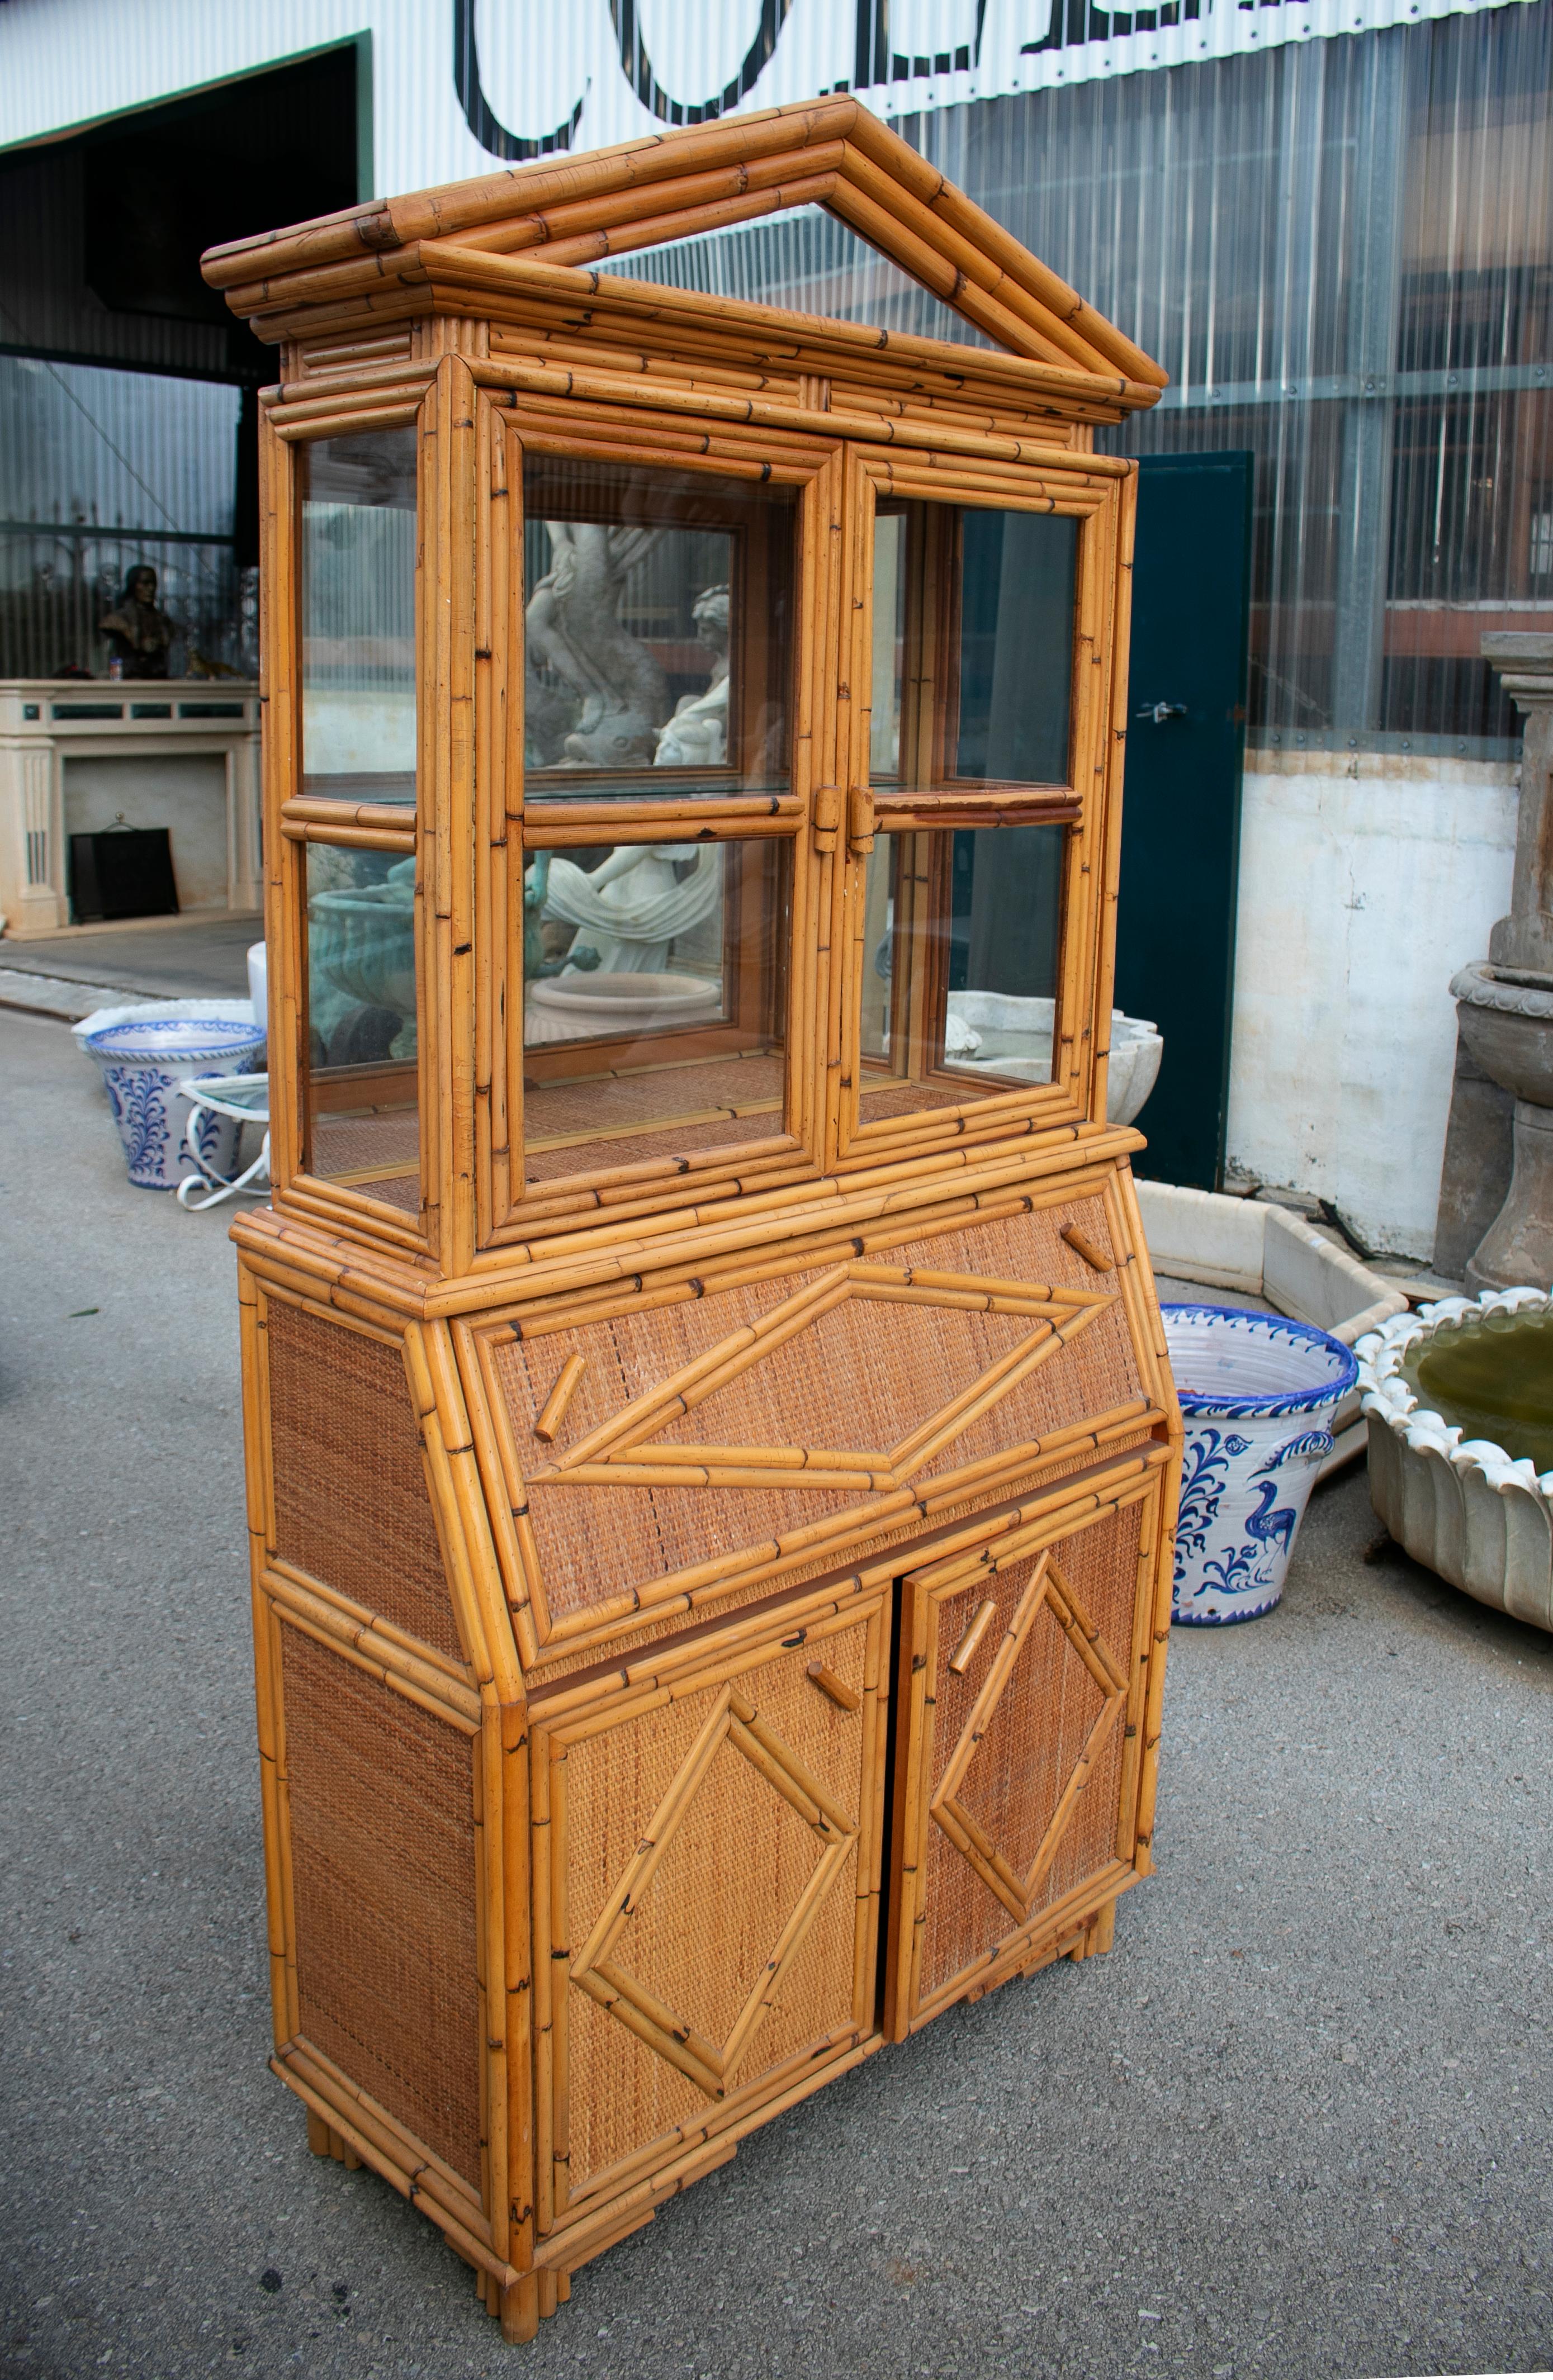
(452, 247)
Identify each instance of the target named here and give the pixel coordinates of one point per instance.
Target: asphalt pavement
(1296, 2124)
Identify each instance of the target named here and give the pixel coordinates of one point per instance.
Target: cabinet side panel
(350, 1497)
(382, 1862)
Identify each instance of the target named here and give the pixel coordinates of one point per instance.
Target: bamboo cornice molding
(642, 194)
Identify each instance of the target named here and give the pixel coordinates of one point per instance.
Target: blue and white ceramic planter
(144, 1060)
(1258, 1395)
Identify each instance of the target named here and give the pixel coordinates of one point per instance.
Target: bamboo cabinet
(710, 1451)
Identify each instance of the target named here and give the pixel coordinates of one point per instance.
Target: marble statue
(620, 694)
(697, 736)
(636, 904)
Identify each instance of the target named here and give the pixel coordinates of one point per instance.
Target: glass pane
(364, 1122)
(658, 616)
(359, 550)
(1017, 580)
(890, 643)
(962, 938)
(654, 1001)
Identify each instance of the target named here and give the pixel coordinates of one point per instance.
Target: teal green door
(1175, 949)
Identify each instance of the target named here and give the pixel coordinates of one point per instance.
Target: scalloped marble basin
(1459, 1403)
(1491, 1375)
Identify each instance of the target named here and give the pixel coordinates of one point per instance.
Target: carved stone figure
(138, 633)
(697, 736)
(574, 628)
(636, 904)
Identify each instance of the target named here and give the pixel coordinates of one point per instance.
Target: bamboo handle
(964, 1652)
(560, 1397)
(827, 816)
(1083, 1245)
(841, 1694)
(860, 821)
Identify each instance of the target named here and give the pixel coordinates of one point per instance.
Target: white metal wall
(535, 77)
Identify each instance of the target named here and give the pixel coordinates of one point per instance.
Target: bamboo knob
(827, 817)
(860, 821)
(1083, 1245)
(841, 1694)
(560, 1397)
(964, 1652)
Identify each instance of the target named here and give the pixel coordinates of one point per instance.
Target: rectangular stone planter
(1245, 1247)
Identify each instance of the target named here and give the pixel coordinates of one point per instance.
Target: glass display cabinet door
(967, 880)
(659, 815)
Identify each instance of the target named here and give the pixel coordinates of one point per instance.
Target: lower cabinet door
(706, 1855)
(1022, 1686)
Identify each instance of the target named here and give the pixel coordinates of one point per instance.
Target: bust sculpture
(139, 633)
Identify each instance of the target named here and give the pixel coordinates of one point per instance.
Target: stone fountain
(1505, 1003)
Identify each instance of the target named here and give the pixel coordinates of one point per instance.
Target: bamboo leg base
(1098, 1934)
(324, 2140)
(528, 2303)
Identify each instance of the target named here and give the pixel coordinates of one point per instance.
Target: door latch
(1160, 711)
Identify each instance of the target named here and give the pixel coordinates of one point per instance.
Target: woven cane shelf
(711, 1454)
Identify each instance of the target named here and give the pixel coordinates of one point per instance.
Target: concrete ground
(160, 958)
(1296, 2124)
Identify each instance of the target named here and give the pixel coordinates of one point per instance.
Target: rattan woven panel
(713, 1911)
(354, 1147)
(1030, 1744)
(561, 1659)
(909, 1099)
(669, 1109)
(861, 1376)
(351, 1502)
(381, 1806)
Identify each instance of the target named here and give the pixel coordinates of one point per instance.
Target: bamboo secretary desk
(710, 1450)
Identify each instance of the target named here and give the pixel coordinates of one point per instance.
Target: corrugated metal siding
(99, 470)
(536, 78)
(1343, 252)
(1339, 248)
(807, 260)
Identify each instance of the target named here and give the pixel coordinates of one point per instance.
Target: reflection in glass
(961, 946)
(362, 1067)
(890, 643)
(358, 566)
(658, 615)
(1017, 580)
(654, 1001)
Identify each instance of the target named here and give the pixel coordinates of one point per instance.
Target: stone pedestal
(1501, 1109)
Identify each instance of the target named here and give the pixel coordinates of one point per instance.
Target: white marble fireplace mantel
(76, 753)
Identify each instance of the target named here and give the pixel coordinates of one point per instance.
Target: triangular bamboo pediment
(574, 214)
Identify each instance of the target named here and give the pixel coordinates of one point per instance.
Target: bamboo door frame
(509, 424)
(907, 2008)
(1103, 502)
(625, 2195)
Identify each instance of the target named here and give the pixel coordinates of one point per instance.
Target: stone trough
(1250, 1250)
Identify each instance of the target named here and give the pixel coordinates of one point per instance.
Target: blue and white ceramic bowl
(1258, 1395)
(144, 1060)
